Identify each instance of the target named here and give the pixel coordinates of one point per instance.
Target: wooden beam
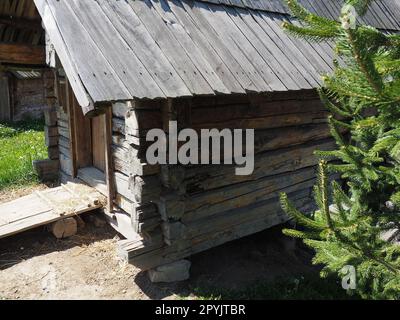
(108, 156)
(71, 101)
(17, 53)
(21, 23)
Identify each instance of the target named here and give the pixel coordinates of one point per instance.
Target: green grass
(20, 144)
(310, 287)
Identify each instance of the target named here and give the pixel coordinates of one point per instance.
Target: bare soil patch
(35, 265)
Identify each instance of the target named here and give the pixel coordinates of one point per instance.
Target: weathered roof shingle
(125, 49)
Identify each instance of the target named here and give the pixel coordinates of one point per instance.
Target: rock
(172, 272)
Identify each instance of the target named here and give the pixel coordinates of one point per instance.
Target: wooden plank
(268, 58)
(30, 206)
(83, 138)
(252, 108)
(126, 161)
(94, 178)
(222, 31)
(64, 55)
(313, 51)
(222, 50)
(323, 48)
(121, 222)
(213, 202)
(98, 142)
(282, 40)
(191, 48)
(45, 207)
(276, 121)
(230, 20)
(176, 54)
(263, 34)
(200, 178)
(127, 66)
(18, 53)
(146, 256)
(220, 67)
(66, 164)
(122, 186)
(98, 76)
(130, 27)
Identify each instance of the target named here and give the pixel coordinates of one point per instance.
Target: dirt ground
(35, 265)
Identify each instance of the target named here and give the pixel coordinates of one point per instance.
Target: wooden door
(99, 143)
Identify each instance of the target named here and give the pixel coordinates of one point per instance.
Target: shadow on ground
(40, 241)
(267, 265)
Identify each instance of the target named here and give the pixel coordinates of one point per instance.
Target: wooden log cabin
(121, 68)
(22, 61)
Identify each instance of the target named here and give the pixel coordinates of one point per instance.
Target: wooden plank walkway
(47, 206)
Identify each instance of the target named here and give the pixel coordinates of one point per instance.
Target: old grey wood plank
(310, 50)
(390, 12)
(263, 33)
(99, 78)
(279, 6)
(126, 65)
(386, 16)
(44, 207)
(64, 55)
(191, 48)
(268, 58)
(220, 67)
(213, 16)
(321, 8)
(129, 26)
(281, 39)
(324, 50)
(170, 47)
(234, 65)
(253, 48)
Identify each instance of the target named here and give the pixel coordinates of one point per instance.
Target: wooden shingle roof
(383, 14)
(116, 50)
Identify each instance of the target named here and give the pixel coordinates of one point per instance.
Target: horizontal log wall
(202, 206)
(138, 185)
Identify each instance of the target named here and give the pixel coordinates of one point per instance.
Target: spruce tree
(363, 97)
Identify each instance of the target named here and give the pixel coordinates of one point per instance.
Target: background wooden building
(22, 59)
(124, 67)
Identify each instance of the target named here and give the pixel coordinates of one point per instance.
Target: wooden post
(70, 101)
(109, 165)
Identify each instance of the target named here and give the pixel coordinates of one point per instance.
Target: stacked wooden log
(64, 144)
(48, 169)
(138, 185)
(202, 206)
